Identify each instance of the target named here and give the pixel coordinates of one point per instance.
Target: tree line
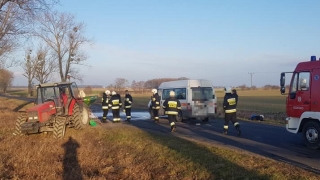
(122, 83)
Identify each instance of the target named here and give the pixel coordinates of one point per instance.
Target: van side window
(180, 93)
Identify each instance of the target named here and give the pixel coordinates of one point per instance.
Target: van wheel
(311, 134)
(179, 117)
(206, 119)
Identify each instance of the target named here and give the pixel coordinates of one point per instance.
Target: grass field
(122, 151)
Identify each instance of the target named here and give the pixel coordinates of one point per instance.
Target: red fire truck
(303, 101)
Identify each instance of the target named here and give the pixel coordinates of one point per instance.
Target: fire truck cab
(303, 101)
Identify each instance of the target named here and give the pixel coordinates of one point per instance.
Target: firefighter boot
(238, 129)
(173, 126)
(225, 131)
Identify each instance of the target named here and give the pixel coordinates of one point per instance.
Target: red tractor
(57, 106)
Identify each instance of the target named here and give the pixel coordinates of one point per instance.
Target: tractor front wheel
(20, 120)
(81, 119)
(59, 128)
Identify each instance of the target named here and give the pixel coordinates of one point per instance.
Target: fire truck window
(304, 81)
(293, 88)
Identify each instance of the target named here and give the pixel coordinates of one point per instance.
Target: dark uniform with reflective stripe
(105, 106)
(155, 103)
(172, 106)
(127, 106)
(229, 106)
(115, 104)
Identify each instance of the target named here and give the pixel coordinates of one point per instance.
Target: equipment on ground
(303, 101)
(57, 106)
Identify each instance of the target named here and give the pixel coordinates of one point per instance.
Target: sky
(231, 43)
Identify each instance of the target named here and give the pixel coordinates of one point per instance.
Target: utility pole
(251, 73)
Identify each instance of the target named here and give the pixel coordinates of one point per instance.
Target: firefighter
(105, 105)
(172, 106)
(115, 104)
(229, 106)
(127, 105)
(155, 104)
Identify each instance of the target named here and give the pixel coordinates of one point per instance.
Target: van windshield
(202, 93)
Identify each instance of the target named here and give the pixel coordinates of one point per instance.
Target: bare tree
(29, 66)
(120, 83)
(29, 6)
(45, 65)
(65, 37)
(137, 85)
(15, 18)
(6, 78)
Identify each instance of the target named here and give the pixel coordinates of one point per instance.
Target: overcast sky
(222, 41)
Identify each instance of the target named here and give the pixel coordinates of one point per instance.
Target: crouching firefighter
(127, 105)
(105, 105)
(172, 106)
(115, 104)
(229, 106)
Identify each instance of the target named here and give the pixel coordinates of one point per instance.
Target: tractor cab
(60, 93)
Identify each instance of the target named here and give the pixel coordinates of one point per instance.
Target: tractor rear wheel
(20, 120)
(81, 119)
(59, 128)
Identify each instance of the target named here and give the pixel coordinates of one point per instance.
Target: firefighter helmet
(154, 91)
(113, 93)
(227, 89)
(107, 92)
(172, 94)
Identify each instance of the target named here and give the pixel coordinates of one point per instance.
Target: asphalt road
(266, 140)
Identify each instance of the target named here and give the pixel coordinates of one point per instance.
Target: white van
(197, 98)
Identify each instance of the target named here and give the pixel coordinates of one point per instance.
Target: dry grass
(120, 151)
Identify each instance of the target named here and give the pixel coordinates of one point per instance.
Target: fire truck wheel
(310, 133)
(206, 119)
(21, 119)
(59, 128)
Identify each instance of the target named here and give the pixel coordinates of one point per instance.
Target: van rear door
(202, 101)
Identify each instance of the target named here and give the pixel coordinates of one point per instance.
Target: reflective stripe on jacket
(115, 102)
(155, 101)
(171, 106)
(230, 103)
(128, 101)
